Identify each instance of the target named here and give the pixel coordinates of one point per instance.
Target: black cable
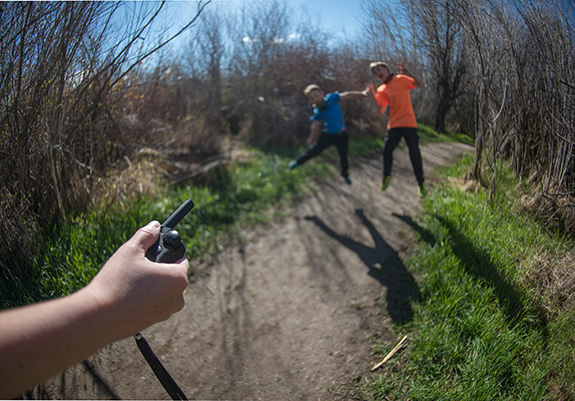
(161, 373)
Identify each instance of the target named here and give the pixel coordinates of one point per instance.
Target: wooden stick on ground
(388, 356)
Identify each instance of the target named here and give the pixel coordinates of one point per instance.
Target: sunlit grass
(428, 135)
(481, 332)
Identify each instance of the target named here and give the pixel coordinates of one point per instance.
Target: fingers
(146, 236)
(135, 292)
(402, 68)
(179, 271)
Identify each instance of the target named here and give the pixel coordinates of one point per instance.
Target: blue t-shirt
(331, 115)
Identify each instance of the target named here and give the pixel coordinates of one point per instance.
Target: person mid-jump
(327, 127)
(395, 93)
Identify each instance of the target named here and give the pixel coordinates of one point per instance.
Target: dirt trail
(289, 314)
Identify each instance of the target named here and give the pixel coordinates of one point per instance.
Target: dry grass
(553, 279)
(556, 210)
(464, 184)
(142, 177)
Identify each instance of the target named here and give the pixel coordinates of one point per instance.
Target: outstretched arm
(418, 81)
(129, 294)
(354, 94)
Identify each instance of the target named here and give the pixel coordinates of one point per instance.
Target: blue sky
(339, 17)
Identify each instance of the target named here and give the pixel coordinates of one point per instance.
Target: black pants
(340, 141)
(392, 139)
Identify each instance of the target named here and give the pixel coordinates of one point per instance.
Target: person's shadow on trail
(385, 266)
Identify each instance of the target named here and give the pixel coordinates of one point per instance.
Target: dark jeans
(326, 140)
(392, 139)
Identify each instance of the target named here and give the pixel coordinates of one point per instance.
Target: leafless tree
(520, 56)
(401, 32)
(438, 32)
(62, 63)
(390, 33)
(206, 52)
(508, 65)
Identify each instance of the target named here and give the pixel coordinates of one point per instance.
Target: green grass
(370, 145)
(429, 135)
(481, 332)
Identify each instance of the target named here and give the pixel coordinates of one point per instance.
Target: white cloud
(289, 38)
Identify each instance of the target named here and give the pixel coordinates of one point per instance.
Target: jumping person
(395, 92)
(129, 294)
(332, 131)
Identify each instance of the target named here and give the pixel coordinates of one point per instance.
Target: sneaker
(421, 190)
(293, 164)
(385, 182)
(347, 180)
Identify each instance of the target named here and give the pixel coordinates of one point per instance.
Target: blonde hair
(310, 88)
(376, 64)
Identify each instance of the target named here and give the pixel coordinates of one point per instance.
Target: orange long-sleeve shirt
(397, 94)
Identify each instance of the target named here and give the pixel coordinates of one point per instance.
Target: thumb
(146, 236)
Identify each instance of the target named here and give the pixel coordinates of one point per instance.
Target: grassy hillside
(496, 319)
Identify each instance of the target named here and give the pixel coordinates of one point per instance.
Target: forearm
(129, 294)
(41, 340)
(314, 133)
(417, 80)
(353, 94)
(313, 137)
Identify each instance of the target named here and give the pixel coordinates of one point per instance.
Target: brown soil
(289, 314)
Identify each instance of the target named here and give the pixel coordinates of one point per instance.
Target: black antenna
(166, 250)
(179, 214)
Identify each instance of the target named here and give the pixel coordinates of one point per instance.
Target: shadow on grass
(425, 234)
(385, 266)
(518, 309)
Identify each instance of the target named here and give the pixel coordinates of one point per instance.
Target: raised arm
(418, 81)
(129, 294)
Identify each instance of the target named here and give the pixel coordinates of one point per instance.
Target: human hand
(402, 70)
(418, 82)
(369, 88)
(136, 291)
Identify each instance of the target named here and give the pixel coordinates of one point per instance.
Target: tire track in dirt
(290, 313)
